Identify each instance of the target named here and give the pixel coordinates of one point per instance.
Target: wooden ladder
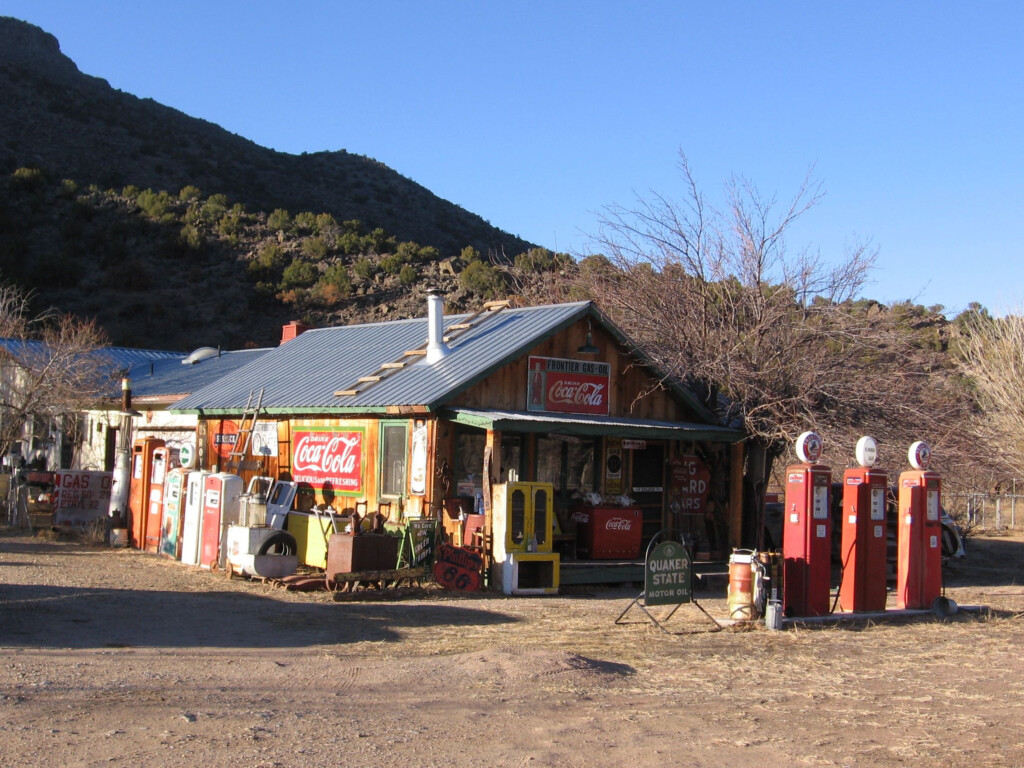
(454, 331)
(246, 427)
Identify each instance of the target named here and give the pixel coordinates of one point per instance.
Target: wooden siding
(633, 392)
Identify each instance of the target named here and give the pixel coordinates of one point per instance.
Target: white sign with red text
(567, 386)
(80, 497)
(330, 457)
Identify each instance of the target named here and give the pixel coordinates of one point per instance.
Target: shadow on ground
(63, 617)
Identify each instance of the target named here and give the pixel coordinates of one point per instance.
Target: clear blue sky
(536, 115)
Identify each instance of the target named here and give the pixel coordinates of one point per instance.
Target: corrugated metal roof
(120, 358)
(304, 373)
(174, 378)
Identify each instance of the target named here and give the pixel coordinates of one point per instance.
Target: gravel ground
(119, 658)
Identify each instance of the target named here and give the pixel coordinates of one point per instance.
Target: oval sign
(808, 447)
(187, 455)
(866, 451)
(920, 455)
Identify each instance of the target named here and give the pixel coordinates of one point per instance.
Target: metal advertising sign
(567, 386)
(458, 569)
(264, 439)
(690, 481)
(330, 457)
(668, 575)
(225, 438)
(80, 497)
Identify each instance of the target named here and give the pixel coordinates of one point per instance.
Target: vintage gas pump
(138, 496)
(864, 532)
(807, 533)
(919, 560)
(161, 463)
(221, 506)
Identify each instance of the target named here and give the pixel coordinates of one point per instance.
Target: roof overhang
(580, 425)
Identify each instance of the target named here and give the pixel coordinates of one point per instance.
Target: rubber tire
(282, 541)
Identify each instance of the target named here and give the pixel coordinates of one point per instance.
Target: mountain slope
(75, 126)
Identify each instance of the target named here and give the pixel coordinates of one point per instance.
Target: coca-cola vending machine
(608, 533)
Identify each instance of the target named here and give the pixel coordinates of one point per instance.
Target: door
(647, 473)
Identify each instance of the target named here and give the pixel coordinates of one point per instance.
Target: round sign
(808, 447)
(920, 455)
(187, 455)
(866, 451)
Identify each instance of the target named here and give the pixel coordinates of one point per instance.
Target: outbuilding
(446, 416)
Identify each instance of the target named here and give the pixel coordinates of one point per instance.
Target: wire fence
(985, 511)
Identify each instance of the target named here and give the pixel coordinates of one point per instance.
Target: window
(393, 453)
(567, 463)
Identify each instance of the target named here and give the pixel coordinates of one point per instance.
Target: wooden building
(413, 414)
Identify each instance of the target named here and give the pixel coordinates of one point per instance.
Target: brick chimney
(292, 329)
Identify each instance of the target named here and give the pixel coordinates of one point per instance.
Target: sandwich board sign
(668, 575)
(668, 580)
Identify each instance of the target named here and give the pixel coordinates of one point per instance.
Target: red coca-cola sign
(331, 457)
(568, 386)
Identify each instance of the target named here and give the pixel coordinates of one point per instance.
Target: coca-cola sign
(567, 386)
(618, 524)
(329, 457)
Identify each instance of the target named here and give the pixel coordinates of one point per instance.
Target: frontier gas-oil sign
(568, 386)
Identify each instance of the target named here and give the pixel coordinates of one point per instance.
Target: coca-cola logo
(618, 524)
(337, 456)
(328, 456)
(577, 393)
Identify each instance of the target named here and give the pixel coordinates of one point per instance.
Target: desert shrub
(189, 193)
(482, 279)
(337, 276)
(298, 274)
(364, 269)
(315, 248)
(28, 178)
(156, 205)
(279, 219)
(305, 221)
(391, 264)
(408, 275)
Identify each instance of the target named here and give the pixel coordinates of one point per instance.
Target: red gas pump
(919, 560)
(864, 532)
(807, 533)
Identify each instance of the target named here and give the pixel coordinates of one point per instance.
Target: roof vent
(203, 353)
(436, 348)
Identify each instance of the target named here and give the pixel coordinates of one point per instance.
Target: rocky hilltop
(126, 210)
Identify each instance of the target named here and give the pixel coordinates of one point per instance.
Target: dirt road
(118, 658)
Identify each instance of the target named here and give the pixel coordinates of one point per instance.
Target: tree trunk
(761, 458)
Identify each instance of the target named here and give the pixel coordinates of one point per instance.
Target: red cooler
(608, 533)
